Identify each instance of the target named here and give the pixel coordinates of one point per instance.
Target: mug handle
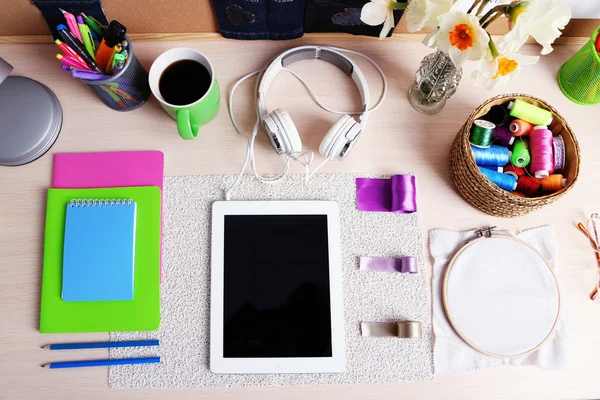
(187, 125)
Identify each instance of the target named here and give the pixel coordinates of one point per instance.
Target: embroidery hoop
(455, 264)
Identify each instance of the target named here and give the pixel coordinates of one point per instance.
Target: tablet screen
(276, 287)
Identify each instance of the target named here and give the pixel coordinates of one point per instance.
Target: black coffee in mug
(184, 82)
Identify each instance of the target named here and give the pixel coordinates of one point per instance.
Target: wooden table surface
(397, 139)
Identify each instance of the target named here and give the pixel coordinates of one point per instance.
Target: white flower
(421, 13)
(542, 20)
(493, 71)
(379, 12)
(461, 36)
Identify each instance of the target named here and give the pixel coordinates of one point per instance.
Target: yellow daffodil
(379, 12)
(495, 70)
(461, 36)
(422, 13)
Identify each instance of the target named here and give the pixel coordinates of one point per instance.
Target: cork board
(180, 16)
(140, 16)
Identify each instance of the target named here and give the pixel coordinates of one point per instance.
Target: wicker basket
(480, 192)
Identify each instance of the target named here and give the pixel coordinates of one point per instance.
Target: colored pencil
(101, 363)
(101, 345)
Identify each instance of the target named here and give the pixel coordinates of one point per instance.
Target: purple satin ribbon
(397, 194)
(388, 264)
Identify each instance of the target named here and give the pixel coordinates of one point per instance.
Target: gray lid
(5, 69)
(30, 120)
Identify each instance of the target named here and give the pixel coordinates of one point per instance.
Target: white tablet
(276, 288)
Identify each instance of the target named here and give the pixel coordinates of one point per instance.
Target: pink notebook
(111, 169)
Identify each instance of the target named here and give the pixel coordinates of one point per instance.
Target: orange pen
(113, 35)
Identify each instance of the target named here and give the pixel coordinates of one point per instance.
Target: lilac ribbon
(388, 264)
(397, 194)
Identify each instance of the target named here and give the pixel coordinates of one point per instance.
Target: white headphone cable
(249, 138)
(299, 157)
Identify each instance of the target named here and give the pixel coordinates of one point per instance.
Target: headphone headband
(326, 54)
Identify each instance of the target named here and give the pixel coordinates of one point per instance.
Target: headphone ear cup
(273, 131)
(288, 134)
(336, 139)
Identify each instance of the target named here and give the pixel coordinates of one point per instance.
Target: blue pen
(102, 345)
(95, 36)
(101, 363)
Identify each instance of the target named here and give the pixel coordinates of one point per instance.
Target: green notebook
(140, 314)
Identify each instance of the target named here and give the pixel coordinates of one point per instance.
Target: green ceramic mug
(198, 110)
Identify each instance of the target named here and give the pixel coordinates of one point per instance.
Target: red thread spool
(514, 171)
(529, 186)
(520, 128)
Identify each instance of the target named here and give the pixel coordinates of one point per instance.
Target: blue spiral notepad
(99, 247)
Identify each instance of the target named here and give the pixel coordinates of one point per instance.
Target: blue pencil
(101, 363)
(101, 345)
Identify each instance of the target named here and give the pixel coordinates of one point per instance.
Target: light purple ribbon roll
(406, 265)
(397, 194)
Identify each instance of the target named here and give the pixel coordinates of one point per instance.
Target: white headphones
(278, 124)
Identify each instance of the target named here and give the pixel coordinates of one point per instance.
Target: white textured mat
(368, 296)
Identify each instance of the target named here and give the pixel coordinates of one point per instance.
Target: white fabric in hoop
(501, 296)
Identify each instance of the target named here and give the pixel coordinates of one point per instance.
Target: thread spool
(529, 186)
(481, 133)
(530, 113)
(506, 182)
(497, 115)
(518, 194)
(558, 144)
(496, 156)
(553, 183)
(542, 154)
(520, 154)
(520, 128)
(492, 168)
(502, 136)
(514, 171)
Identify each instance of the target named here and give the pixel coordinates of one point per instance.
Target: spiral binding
(100, 203)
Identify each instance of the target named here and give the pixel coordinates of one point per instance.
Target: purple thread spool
(502, 136)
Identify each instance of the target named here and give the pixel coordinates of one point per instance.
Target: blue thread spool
(493, 168)
(496, 156)
(503, 181)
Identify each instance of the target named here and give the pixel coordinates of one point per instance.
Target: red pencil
(69, 51)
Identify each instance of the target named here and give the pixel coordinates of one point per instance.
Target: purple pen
(87, 75)
(65, 67)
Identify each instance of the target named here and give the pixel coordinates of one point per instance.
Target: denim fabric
(340, 16)
(53, 16)
(260, 19)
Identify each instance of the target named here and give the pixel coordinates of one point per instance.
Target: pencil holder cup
(126, 90)
(579, 78)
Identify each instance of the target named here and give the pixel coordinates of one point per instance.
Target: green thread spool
(520, 154)
(530, 113)
(481, 133)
